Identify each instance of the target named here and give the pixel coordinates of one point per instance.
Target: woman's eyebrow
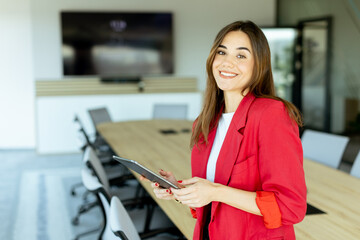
(239, 48)
(244, 48)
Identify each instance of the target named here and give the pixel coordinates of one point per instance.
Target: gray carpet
(35, 199)
(14, 164)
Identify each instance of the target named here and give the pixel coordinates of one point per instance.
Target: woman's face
(234, 62)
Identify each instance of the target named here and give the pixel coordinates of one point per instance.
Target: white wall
(16, 79)
(33, 46)
(57, 133)
(195, 24)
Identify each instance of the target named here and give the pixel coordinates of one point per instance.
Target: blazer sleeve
(281, 166)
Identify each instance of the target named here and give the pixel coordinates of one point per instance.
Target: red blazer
(261, 152)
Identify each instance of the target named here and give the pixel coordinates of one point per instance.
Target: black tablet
(153, 177)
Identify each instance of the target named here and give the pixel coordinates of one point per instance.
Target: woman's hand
(162, 193)
(198, 192)
(169, 176)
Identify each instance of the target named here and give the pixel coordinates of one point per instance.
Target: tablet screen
(153, 177)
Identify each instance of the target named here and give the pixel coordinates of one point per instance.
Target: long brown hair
(261, 84)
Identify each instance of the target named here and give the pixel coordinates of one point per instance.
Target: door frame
(298, 63)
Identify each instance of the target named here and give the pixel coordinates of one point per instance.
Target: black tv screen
(116, 44)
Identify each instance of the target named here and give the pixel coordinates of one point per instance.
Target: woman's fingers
(189, 186)
(154, 185)
(182, 191)
(190, 200)
(160, 192)
(197, 193)
(189, 181)
(166, 174)
(163, 193)
(184, 195)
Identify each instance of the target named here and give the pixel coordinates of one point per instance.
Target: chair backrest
(89, 180)
(355, 169)
(323, 147)
(120, 221)
(82, 131)
(170, 111)
(99, 115)
(91, 160)
(92, 184)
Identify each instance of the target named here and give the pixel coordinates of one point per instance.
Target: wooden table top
(337, 194)
(164, 144)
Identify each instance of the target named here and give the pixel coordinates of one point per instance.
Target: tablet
(153, 177)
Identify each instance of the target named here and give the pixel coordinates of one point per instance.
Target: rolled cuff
(269, 208)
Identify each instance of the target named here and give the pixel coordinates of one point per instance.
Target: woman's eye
(241, 56)
(220, 52)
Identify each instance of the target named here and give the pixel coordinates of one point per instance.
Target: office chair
(103, 152)
(102, 149)
(355, 169)
(99, 115)
(83, 133)
(120, 221)
(90, 158)
(170, 111)
(86, 142)
(92, 183)
(91, 161)
(324, 147)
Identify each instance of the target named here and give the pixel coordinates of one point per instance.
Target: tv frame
(166, 63)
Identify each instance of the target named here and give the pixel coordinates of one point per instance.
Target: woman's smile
(226, 74)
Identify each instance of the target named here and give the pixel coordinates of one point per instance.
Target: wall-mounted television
(117, 44)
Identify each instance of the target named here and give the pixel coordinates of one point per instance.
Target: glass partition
(282, 44)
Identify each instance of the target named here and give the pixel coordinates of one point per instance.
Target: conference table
(164, 144)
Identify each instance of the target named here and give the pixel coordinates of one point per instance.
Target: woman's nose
(228, 62)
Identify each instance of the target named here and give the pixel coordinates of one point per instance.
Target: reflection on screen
(116, 44)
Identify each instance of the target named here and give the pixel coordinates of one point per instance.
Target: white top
(223, 126)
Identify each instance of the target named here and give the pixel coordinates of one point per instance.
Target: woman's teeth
(228, 74)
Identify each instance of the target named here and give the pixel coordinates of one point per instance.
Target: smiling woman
(246, 184)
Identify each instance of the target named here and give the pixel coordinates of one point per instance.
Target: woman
(248, 179)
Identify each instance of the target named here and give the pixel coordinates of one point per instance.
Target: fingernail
(167, 190)
(156, 184)
(179, 181)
